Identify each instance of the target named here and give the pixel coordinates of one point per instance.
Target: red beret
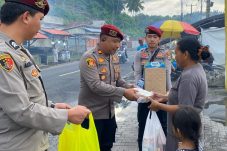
(112, 31)
(153, 30)
(40, 5)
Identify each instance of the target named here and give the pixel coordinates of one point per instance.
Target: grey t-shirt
(190, 89)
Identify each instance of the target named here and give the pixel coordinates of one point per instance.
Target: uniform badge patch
(101, 60)
(115, 59)
(35, 73)
(160, 55)
(144, 55)
(103, 77)
(100, 52)
(6, 62)
(103, 70)
(91, 62)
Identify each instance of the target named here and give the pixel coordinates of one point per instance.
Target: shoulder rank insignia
(91, 62)
(101, 60)
(14, 44)
(6, 62)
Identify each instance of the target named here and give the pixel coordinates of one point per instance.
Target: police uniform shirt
(100, 83)
(141, 58)
(25, 119)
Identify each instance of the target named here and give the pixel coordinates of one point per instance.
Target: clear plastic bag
(154, 138)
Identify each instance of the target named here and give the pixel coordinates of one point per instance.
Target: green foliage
(1, 2)
(112, 11)
(134, 6)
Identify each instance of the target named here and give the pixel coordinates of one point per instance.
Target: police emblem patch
(91, 62)
(6, 62)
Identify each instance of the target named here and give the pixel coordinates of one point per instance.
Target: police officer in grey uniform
(25, 113)
(101, 84)
(152, 53)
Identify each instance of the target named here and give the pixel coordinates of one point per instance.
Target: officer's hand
(131, 86)
(62, 106)
(130, 94)
(77, 114)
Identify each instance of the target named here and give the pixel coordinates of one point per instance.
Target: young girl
(186, 127)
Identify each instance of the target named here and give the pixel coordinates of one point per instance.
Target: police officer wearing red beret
(102, 85)
(150, 54)
(26, 115)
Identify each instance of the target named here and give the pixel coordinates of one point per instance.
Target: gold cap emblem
(113, 33)
(41, 3)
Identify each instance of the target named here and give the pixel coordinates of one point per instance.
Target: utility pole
(209, 5)
(208, 9)
(181, 17)
(201, 9)
(191, 7)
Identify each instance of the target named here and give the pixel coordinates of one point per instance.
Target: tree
(134, 6)
(1, 3)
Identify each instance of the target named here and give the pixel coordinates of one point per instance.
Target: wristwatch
(52, 105)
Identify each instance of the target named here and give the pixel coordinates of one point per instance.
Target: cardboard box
(155, 80)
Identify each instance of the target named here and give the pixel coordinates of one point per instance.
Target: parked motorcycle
(122, 55)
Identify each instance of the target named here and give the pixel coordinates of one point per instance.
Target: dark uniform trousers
(106, 129)
(142, 114)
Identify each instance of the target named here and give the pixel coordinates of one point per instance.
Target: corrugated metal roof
(56, 32)
(40, 36)
(94, 30)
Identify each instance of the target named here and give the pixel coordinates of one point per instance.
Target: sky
(172, 7)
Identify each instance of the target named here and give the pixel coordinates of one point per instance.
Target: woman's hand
(154, 105)
(159, 97)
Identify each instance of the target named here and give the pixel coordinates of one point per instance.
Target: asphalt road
(62, 82)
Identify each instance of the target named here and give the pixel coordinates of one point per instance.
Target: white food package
(143, 95)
